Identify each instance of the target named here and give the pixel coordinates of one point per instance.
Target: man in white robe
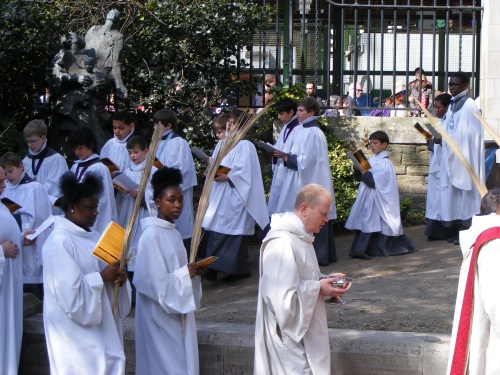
(291, 331)
(459, 197)
(307, 162)
(479, 350)
(174, 152)
(11, 293)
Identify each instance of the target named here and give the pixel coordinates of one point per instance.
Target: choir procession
(62, 214)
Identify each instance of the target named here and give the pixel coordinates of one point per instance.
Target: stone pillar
(490, 61)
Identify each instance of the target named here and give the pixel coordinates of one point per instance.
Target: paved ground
(412, 293)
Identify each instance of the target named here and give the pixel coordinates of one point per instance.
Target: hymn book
(267, 146)
(427, 134)
(222, 170)
(11, 205)
(206, 261)
(157, 164)
(109, 163)
(110, 245)
(199, 153)
(45, 225)
(124, 183)
(359, 160)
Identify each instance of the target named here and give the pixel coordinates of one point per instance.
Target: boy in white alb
(35, 209)
(43, 164)
(82, 141)
(115, 149)
(137, 148)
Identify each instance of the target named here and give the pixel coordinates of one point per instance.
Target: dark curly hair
(164, 178)
(74, 191)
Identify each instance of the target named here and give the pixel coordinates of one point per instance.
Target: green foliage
(409, 214)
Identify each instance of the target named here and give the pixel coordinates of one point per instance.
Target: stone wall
(407, 149)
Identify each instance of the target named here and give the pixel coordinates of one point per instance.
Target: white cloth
(484, 342)
(433, 200)
(80, 330)
(125, 205)
(117, 152)
(176, 153)
(398, 113)
(35, 209)
(460, 199)
(166, 295)
(107, 202)
(11, 296)
(377, 209)
(234, 209)
(291, 332)
(311, 151)
(279, 169)
(50, 172)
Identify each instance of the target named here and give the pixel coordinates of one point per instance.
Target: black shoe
(233, 278)
(456, 242)
(210, 275)
(452, 239)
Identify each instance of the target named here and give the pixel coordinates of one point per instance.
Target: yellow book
(110, 245)
(11, 205)
(421, 130)
(359, 159)
(158, 164)
(222, 170)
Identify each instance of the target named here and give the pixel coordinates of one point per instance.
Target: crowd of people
(291, 329)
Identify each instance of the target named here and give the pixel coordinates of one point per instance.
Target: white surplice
(235, 209)
(35, 209)
(291, 331)
(166, 296)
(107, 202)
(377, 209)
(279, 168)
(116, 151)
(11, 296)
(311, 152)
(176, 153)
(125, 205)
(49, 172)
(484, 341)
(460, 199)
(80, 330)
(433, 200)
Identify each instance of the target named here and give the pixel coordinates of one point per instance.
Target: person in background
(355, 92)
(311, 92)
(396, 101)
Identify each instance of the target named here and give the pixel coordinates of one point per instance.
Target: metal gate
(376, 43)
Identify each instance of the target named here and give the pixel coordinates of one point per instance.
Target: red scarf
(461, 353)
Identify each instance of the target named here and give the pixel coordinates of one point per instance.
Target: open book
(109, 163)
(125, 183)
(359, 160)
(109, 247)
(199, 153)
(266, 146)
(427, 134)
(11, 205)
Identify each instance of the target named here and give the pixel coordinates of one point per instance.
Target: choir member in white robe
(80, 330)
(43, 164)
(168, 288)
(375, 214)
(115, 149)
(459, 197)
(308, 163)
(35, 209)
(236, 202)
(433, 229)
(11, 293)
(482, 350)
(125, 201)
(174, 152)
(291, 330)
(82, 141)
(287, 110)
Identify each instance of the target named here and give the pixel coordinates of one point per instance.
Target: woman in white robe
(168, 288)
(80, 330)
(11, 293)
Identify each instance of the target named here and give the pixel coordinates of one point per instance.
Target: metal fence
(375, 43)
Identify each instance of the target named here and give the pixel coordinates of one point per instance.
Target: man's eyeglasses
(359, 90)
(32, 141)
